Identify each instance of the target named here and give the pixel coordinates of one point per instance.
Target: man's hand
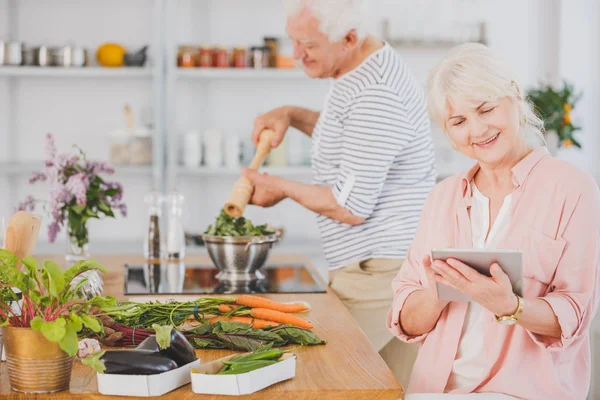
(268, 189)
(277, 120)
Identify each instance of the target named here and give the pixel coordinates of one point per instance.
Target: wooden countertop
(347, 367)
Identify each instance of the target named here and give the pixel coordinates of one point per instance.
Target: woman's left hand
(495, 293)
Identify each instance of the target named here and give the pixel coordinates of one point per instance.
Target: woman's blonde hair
(472, 73)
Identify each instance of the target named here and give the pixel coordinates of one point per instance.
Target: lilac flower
(123, 208)
(99, 167)
(50, 147)
(77, 185)
(38, 177)
(115, 185)
(27, 205)
(53, 230)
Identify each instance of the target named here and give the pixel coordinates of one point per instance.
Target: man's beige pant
(365, 288)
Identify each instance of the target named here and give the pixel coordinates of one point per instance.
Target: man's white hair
(337, 17)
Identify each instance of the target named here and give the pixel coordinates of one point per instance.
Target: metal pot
(13, 53)
(239, 258)
(35, 364)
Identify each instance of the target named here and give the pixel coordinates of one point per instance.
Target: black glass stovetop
(180, 278)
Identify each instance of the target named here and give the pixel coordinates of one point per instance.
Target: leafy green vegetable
(225, 225)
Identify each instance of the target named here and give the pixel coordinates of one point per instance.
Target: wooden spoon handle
(242, 189)
(22, 234)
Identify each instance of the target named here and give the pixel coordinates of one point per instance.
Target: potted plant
(555, 107)
(78, 193)
(41, 339)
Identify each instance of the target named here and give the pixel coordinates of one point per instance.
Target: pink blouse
(556, 223)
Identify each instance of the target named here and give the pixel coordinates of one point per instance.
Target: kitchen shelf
(301, 171)
(240, 73)
(84, 72)
(26, 168)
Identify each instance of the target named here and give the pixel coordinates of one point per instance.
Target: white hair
(337, 17)
(472, 73)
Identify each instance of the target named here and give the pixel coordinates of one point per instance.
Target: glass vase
(77, 250)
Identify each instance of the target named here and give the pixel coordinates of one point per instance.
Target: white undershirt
(469, 364)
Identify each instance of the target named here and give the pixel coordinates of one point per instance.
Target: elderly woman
(515, 197)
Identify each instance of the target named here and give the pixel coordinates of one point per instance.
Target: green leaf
(11, 276)
(111, 192)
(163, 335)
(4, 323)
(76, 321)
(78, 209)
(201, 343)
(94, 361)
(31, 264)
(102, 206)
(45, 301)
(103, 302)
(56, 278)
(69, 342)
(54, 331)
(91, 322)
(81, 267)
(7, 258)
(295, 335)
(91, 213)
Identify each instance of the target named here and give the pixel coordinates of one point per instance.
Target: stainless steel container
(62, 56)
(29, 56)
(239, 258)
(43, 56)
(2, 52)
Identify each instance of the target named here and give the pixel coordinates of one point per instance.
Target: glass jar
(273, 45)
(239, 57)
(186, 57)
(259, 57)
(220, 58)
(205, 57)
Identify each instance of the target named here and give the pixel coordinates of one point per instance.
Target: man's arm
(303, 119)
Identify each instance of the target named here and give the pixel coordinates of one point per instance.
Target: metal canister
(79, 57)
(62, 56)
(43, 56)
(28, 56)
(2, 52)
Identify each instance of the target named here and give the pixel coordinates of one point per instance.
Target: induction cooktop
(181, 278)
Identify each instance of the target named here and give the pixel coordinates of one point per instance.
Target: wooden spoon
(242, 190)
(22, 234)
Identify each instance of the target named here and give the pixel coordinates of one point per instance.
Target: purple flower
(27, 205)
(123, 208)
(99, 167)
(38, 177)
(78, 185)
(53, 230)
(115, 185)
(50, 147)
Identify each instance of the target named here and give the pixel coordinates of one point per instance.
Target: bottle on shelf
(153, 239)
(175, 232)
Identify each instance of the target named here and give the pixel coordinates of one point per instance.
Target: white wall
(83, 111)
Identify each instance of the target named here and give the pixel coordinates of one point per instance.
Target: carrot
(256, 323)
(261, 302)
(277, 316)
(225, 308)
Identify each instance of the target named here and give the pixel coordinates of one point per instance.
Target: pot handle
(262, 240)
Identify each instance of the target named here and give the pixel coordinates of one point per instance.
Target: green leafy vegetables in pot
(226, 225)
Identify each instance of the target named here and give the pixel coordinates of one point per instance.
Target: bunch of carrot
(261, 312)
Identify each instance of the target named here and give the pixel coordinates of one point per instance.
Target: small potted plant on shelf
(41, 338)
(555, 107)
(78, 193)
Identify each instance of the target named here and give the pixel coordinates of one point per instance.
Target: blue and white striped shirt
(372, 144)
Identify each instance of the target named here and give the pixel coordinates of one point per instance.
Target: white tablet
(481, 260)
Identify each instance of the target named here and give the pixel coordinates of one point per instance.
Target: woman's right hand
(278, 120)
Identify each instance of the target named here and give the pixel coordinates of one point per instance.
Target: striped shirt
(372, 144)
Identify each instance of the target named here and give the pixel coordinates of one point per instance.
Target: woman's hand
(495, 293)
(431, 277)
(278, 120)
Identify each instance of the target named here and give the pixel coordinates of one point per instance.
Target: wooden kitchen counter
(347, 367)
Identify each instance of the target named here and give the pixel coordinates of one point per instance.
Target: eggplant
(136, 362)
(180, 350)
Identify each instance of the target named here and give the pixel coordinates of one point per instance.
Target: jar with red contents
(205, 57)
(238, 58)
(220, 58)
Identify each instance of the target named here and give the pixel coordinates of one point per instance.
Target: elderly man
(372, 157)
